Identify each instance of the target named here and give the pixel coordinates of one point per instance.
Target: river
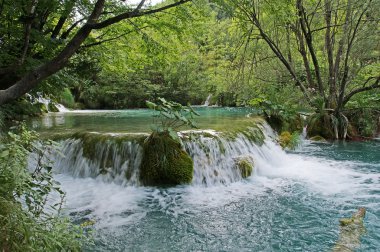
(292, 202)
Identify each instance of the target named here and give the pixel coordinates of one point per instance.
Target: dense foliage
(303, 55)
(285, 58)
(30, 200)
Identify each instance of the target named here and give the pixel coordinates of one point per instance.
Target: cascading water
(291, 201)
(62, 108)
(207, 101)
(117, 157)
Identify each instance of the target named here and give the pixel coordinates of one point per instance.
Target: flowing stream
(292, 202)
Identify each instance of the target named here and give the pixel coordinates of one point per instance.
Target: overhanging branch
(132, 14)
(375, 85)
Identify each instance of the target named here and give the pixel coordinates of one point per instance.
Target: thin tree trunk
(62, 19)
(330, 48)
(309, 42)
(305, 59)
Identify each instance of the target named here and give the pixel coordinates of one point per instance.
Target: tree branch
(32, 78)
(68, 31)
(362, 89)
(135, 13)
(110, 39)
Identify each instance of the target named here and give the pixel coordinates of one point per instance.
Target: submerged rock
(164, 162)
(245, 166)
(317, 139)
(351, 230)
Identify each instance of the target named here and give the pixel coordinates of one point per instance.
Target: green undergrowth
(289, 140)
(27, 221)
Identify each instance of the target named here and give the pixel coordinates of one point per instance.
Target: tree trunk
(31, 79)
(329, 49)
(309, 42)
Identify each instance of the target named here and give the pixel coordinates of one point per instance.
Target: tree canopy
(315, 55)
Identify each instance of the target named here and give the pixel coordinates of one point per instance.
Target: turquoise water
(132, 120)
(292, 202)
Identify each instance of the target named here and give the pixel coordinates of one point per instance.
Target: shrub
(27, 221)
(67, 99)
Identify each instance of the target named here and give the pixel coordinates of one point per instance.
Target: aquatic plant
(245, 166)
(289, 140)
(171, 117)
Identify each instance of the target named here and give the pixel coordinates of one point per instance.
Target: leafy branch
(171, 117)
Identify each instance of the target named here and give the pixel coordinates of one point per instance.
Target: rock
(351, 230)
(320, 126)
(317, 138)
(245, 165)
(285, 139)
(164, 162)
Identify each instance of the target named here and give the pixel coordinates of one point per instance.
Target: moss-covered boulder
(320, 126)
(317, 139)
(245, 166)
(281, 123)
(164, 162)
(285, 139)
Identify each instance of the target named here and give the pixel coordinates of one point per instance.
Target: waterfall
(109, 157)
(117, 157)
(61, 108)
(207, 102)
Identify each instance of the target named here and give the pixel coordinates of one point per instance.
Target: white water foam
(215, 183)
(62, 108)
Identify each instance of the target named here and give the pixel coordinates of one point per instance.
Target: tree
(320, 45)
(16, 78)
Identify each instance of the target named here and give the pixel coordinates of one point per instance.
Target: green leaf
(151, 105)
(4, 154)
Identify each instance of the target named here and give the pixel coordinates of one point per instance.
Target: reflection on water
(136, 120)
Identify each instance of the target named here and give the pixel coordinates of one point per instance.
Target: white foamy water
(62, 108)
(113, 201)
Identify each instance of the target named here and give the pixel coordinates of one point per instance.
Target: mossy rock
(280, 123)
(320, 127)
(317, 139)
(285, 139)
(164, 162)
(357, 218)
(244, 165)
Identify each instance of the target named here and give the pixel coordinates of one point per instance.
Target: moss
(290, 123)
(351, 230)
(317, 139)
(164, 162)
(253, 133)
(285, 139)
(321, 126)
(245, 166)
(91, 140)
